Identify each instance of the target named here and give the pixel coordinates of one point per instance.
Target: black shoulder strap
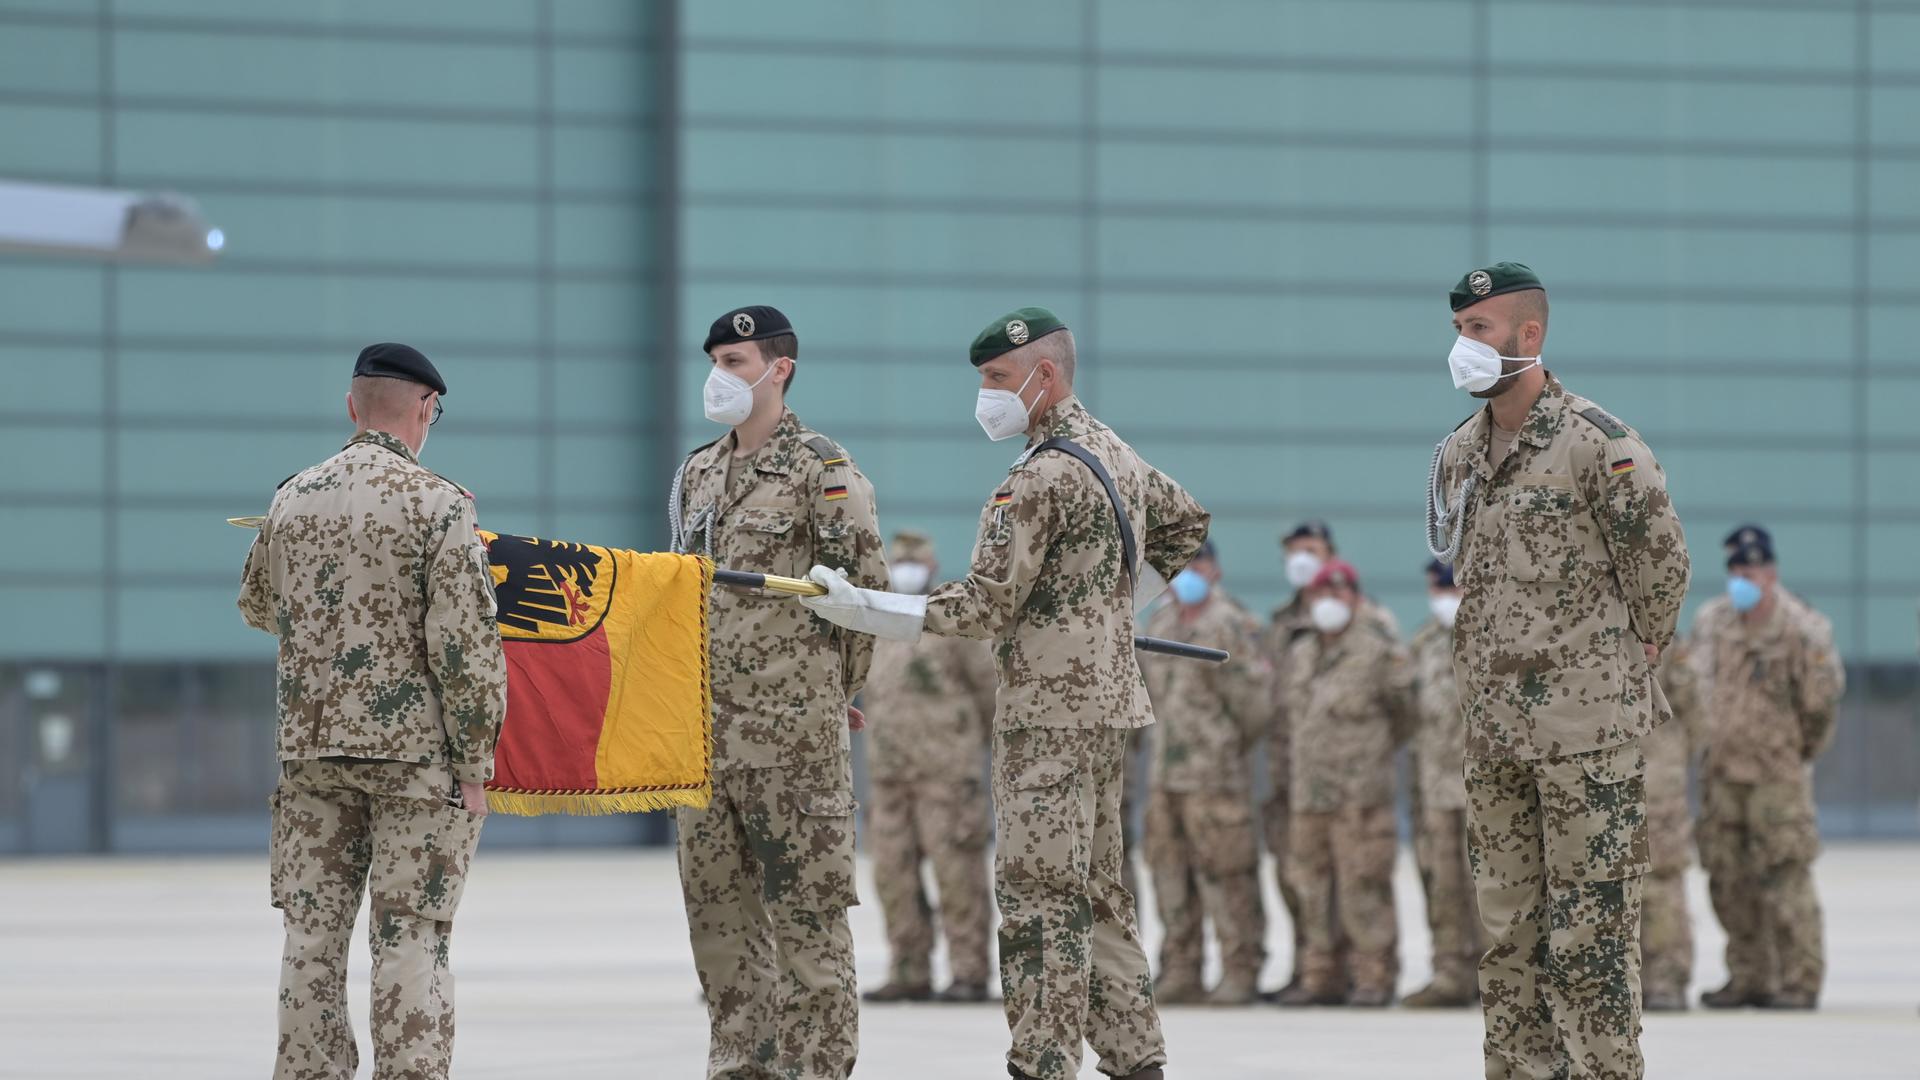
(1600, 418)
(1129, 556)
(824, 448)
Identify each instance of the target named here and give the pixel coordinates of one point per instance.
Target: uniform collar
(1543, 423)
(777, 456)
(382, 439)
(1066, 419)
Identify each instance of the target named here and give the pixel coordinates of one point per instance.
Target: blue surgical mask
(1189, 588)
(1745, 594)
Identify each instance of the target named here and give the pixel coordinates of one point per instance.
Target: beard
(1509, 367)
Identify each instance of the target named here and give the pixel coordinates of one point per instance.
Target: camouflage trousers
(1205, 861)
(1440, 850)
(1666, 930)
(1758, 843)
(388, 829)
(767, 873)
(1341, 863)
(1276, 818)
(1559, 850)
(1071, 967)
(944, 823)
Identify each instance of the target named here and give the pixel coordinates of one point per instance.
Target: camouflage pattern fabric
(1341, 864)
(1774, 686)
(1048, 584)
(370, 571)
(393, 831)
(1071, 966)
(767, 874)
(1288, 626)
(1559, 852)
(1204, 855)
(1202, 845)
(1572, 563)
(1440, 743)
(943, 823)
(767, 867)
(1440, 818)
(929, 704)
(1666, 928)
(1349, 705)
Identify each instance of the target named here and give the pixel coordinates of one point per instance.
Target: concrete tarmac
(576, 965)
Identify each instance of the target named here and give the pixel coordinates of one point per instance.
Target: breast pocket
(1540, 541)
(763, 539)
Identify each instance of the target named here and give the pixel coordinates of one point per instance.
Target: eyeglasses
(438, 409)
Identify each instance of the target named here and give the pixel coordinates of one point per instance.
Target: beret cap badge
(1017, 332)
(1480, 282)
(743, 324)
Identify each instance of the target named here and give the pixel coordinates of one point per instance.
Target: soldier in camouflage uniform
(1304, 550)
(767, 867)
(1774, 682)
(1666, 928)
(1572, 568)
(1202, 845)
(931, 703)
(1349, 701)
(1440, 806)
(392, 686)
(1053, 584)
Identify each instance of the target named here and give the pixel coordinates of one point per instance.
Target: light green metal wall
(479, 178)
(1251, 211)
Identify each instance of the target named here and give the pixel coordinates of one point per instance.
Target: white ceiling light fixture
(102, 223)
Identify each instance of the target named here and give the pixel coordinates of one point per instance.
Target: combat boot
(1304, 993)
(1235, 988)
(1663, 999)
(896, 992)
(963, 993)
(1797, 1000)
(1731, 996)
(1370, 997)
(1272, 997)
(1441, 993)
(1177, 991)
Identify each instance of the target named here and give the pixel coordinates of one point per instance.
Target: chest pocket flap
(1541, 511)
(763, 519)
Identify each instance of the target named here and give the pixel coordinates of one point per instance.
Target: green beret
(1501, 277)
(1012, 330)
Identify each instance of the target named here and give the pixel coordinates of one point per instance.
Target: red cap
(1336, 572)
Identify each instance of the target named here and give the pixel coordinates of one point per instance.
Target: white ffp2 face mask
(1301, 566)
(729, 398)
(1330, 616)
(910, 577)
(1002, 413)
(1445, 609)
(1477, 366)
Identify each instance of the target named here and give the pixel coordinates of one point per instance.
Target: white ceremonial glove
(897, 616)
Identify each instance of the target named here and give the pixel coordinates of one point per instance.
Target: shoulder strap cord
(1129, 555)
(674, 531)
(1447, 526)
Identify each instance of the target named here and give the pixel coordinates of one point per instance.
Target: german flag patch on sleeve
(836, 491)
(1003, 498)
(1622, 467)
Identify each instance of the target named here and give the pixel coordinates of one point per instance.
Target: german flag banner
(609, 710)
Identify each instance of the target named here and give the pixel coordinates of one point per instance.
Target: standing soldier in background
(1079, 519)
(1304, 550)
(767, 867)
(1666, 929)
(1440, 806)
(931, 703)
(392, 686)
(1774, 684)
(1349, 700)
(1572, 567)
(1202, 847)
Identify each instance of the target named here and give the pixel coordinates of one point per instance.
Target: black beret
(1501, 277)
(1441, 573)
(1314, 529)
(1748, 534)
(1012, 330)
(391, 360)
(750, 323)
(1753, 554)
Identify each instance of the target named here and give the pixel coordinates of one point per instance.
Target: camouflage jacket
(1209, 715)
(782, 677)
(1440, 744)
(1572, 559)
(1048, 584)
(370, 571)
(1349, 704)
(1774, 690)
(1671, 747)
(1289, 627)
(929, 705)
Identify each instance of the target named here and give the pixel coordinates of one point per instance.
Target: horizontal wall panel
(1707, 37)
(371, 231)
(1199, 174)
(1279, 30)
(775, 163)
(325, 150)
(311, 388)
(48, 379)
(910, 89)
(982, 24)
(1893, 481)
(187, 623)
(59, 144)
(452, 17)
(52, 622)
(1656, 256)
(1235, 101)
(1646, 183)
(53, 543)
(357, 306)
(596, 81)
(1561, 108)
(49, 59)
(1315, 253)
(50, 297)
(909, 241)
(51, 460)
